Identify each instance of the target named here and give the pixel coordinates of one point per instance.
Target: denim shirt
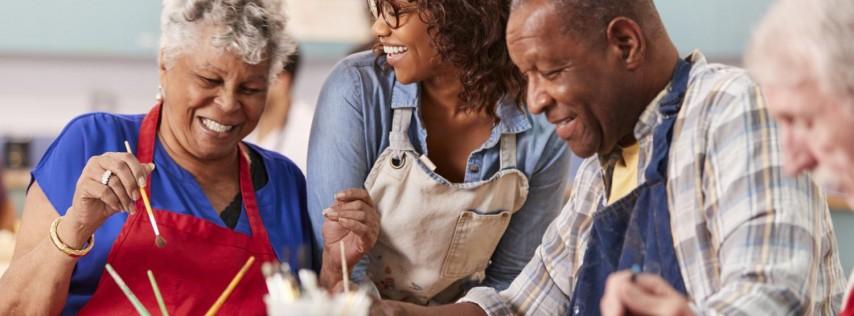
(351, 129)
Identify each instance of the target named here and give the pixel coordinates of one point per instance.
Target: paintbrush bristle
(267, 269)
(160, 241)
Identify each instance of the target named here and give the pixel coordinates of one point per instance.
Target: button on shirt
(749, 239)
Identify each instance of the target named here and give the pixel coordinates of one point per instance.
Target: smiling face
(817, 137)
(578, 84)
(213, 99)
(407, 47)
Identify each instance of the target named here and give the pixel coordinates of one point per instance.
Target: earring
(160, 94)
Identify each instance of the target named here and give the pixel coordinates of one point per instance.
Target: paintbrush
(344, 273)
(128, 293)
(158, 239)
(160, 303)
(230, 288)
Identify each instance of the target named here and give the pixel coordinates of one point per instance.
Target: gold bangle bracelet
(74, 253)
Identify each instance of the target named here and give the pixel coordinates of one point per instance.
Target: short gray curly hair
(806, 40)
(251, 29)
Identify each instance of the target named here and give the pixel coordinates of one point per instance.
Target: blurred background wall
(61, 58)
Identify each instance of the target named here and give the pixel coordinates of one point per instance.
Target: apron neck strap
(148, 134)
(669, 107)
(145, 154)
(399, 135)
(508, 151)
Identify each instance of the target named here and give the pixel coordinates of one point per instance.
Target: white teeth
(566, 121)
(216, 126)
(394, 50)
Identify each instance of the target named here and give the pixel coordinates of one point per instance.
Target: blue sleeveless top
(281, 202)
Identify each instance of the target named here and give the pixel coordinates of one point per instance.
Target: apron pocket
(475, 237)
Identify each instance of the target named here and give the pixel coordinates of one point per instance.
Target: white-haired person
(217, 201)
(802, 54)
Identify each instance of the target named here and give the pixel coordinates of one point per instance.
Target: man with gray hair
(683, 191)
(803, 55)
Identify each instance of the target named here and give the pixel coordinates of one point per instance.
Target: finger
(357, 205)
(330, 214)
(356, 227)
(638, 300)
(353, 215)
(610, 304)
(94, 189)
(140, 171)
(338, 206)
(371, 214)
(119, 190)
(354, 194)
(123, 171)
(654, 284)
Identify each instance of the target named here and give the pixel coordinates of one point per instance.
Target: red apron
(197, 264)
(848, 307)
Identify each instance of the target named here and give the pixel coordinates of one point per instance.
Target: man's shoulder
(719, 92)
(714, 78)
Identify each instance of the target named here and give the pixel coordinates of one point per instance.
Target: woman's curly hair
(470, 34)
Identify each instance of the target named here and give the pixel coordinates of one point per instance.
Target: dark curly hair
(469, 34)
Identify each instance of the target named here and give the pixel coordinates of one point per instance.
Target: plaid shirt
(749, 239)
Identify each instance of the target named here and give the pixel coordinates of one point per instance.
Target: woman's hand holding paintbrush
(158, 239)
(353, 220)
(108, 184)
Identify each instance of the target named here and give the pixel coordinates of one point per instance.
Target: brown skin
(217, 86)
(206, 82)
(353, 217)
(605, 86)
(648, 295)
(440, 96)
(353, 220)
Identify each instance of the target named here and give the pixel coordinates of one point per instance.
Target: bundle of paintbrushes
(288, 297)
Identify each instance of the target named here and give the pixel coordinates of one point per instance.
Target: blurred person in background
(285, 125)
(803, 55)
(8, 218)
(433, 125)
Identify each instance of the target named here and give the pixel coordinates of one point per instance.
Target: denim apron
(635, 230)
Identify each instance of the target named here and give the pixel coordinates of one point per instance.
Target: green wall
(130, 28)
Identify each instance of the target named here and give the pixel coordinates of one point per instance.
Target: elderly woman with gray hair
(217, 201)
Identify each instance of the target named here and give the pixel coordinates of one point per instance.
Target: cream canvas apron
(436, 235)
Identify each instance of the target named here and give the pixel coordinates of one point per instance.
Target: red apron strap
(247, 191)
(147, 135)
(145, 154)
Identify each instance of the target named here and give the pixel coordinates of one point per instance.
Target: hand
(339, 287)
(381, 307)
(94, 202)
(648, 295)
(353, 219)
